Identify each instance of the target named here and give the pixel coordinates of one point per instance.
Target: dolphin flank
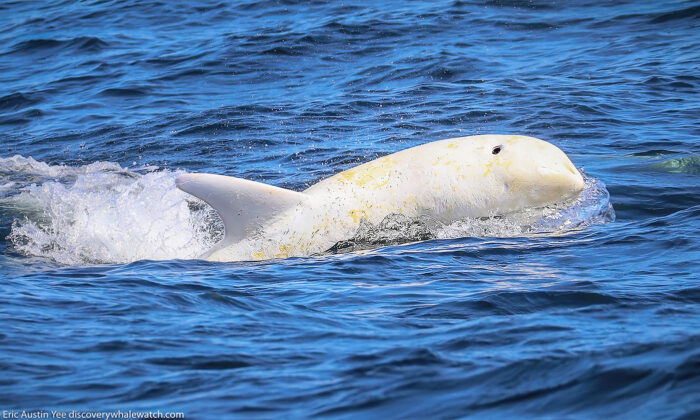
(448, 180)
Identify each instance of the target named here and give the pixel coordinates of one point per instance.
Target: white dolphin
(448, 180)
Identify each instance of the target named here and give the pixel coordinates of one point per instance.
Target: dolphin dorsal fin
(244, 206)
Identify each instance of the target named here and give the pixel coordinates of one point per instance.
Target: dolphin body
(448, 180)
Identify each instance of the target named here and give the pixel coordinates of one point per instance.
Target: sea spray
(103, 213)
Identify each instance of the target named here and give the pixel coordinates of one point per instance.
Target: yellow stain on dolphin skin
(259, 255)
(357, 215)
(366, 174)
(284, 251)
(411, 199)
(497, 162)
(440, 158)
(488, 168)
(382, 184)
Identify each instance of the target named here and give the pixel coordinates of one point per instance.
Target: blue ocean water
(104, 306)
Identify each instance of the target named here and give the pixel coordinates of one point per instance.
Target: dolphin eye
(496, 150)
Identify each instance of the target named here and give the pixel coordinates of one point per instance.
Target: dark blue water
(103, 306)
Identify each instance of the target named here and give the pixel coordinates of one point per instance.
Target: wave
(18, 100)
(87, 44)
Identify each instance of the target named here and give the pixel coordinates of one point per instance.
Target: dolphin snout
(563, 174)
(579, 183)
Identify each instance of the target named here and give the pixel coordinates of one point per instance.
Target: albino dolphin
(448, 180)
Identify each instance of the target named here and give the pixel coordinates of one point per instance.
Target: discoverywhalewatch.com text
(103, 415)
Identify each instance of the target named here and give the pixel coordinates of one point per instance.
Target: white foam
(29, 166)
(103, 213)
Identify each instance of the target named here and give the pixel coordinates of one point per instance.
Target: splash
(102, 213)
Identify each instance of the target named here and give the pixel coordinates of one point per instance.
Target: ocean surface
(585, 310)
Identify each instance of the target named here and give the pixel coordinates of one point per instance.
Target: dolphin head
(531, 172)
